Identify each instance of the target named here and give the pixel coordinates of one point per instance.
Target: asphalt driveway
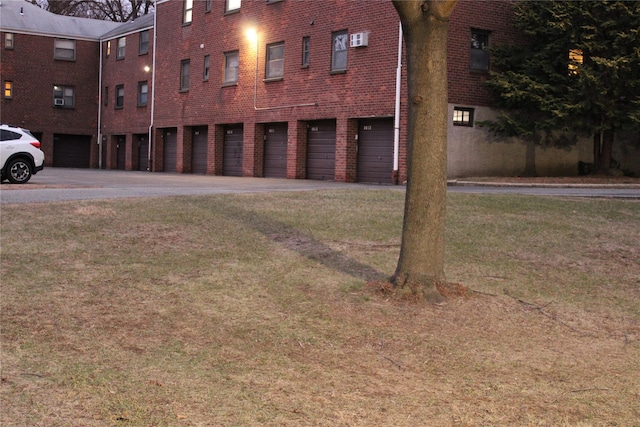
(61, 184)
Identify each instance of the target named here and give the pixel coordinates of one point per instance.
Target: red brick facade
(304, 96)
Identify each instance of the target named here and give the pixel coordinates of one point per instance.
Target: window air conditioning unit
(58, 101)
(359, 39)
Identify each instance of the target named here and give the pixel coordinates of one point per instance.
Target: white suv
(20, 155)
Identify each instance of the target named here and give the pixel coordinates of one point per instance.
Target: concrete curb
(464, 183)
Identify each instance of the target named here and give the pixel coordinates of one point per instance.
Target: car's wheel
(18, 171)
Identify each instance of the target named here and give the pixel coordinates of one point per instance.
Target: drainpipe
(396, 124)
(100, 160)
(153, 80)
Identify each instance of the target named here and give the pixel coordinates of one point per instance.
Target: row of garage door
(374, 158)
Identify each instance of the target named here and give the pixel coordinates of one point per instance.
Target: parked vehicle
(20, 154)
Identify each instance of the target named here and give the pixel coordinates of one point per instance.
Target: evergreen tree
(577, 71)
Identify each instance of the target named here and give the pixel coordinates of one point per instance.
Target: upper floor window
(207, 66)
(143, 92)
(122, 45)
(463, 116)
(119, 97)
(108, 49)
(64, 49)
(232, 5)
(8, 40)
(207, 6)
(231, 67)
(275, 60)
(576, 58)
(185, 66)
(479, 50)
(64, 96)
(187, 15)
(340, 40)
(8, 89)
(306, 51)
(143, 47)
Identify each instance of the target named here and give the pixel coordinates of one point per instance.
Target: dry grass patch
(254, 310)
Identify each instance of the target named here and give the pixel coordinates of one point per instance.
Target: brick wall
(31, 66)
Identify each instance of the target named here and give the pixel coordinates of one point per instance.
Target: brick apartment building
(265, 88)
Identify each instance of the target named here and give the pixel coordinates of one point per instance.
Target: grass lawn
(261, 310)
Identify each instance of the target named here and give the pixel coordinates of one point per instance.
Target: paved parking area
(61, 184)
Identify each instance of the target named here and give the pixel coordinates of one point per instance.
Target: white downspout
(396, 124)
(153, 81)
(100, 159)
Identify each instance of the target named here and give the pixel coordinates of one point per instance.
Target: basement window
(463, 116)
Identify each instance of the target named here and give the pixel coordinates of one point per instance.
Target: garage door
(232, 152)
(199, 150)
(143, 151)
(321, 150)
(375, 151)
(275, 150)
(71, 151)
(170, 150)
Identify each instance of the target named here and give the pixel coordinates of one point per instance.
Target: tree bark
(421, 263)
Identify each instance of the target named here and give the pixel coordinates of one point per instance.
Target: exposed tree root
(417, 292)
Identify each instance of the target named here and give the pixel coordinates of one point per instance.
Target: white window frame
(121, 48)
(64, 96)
(339, 47)
(232, 5)
(64, 49)
(187, 14)
(463, 116)
(275, 61)
(231, 66)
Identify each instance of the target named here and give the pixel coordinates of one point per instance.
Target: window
(479, 50)
(231, 67)
(306, 45)
(105, 96)
(119, 97)
(275, 61)
(122, 44)
(187, 15)
(8, 89)
(576, 58)
(185, 65)
(8, 40)
(64, 49)
(64, 96)
(207, 6)
(339, 51)
(143, 47)
(205, 74)
(463, 116)
(143, 91)
(232, 5)
(108, 50)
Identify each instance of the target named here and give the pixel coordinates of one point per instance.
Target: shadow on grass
(305, 245)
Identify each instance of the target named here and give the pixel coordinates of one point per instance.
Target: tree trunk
(421, 263)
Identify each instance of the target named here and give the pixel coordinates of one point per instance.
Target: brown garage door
(71, 151)
(232, 152)
(170, 150)
(321, 150)
(275, 150)
(199, 150)
(375, 151)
